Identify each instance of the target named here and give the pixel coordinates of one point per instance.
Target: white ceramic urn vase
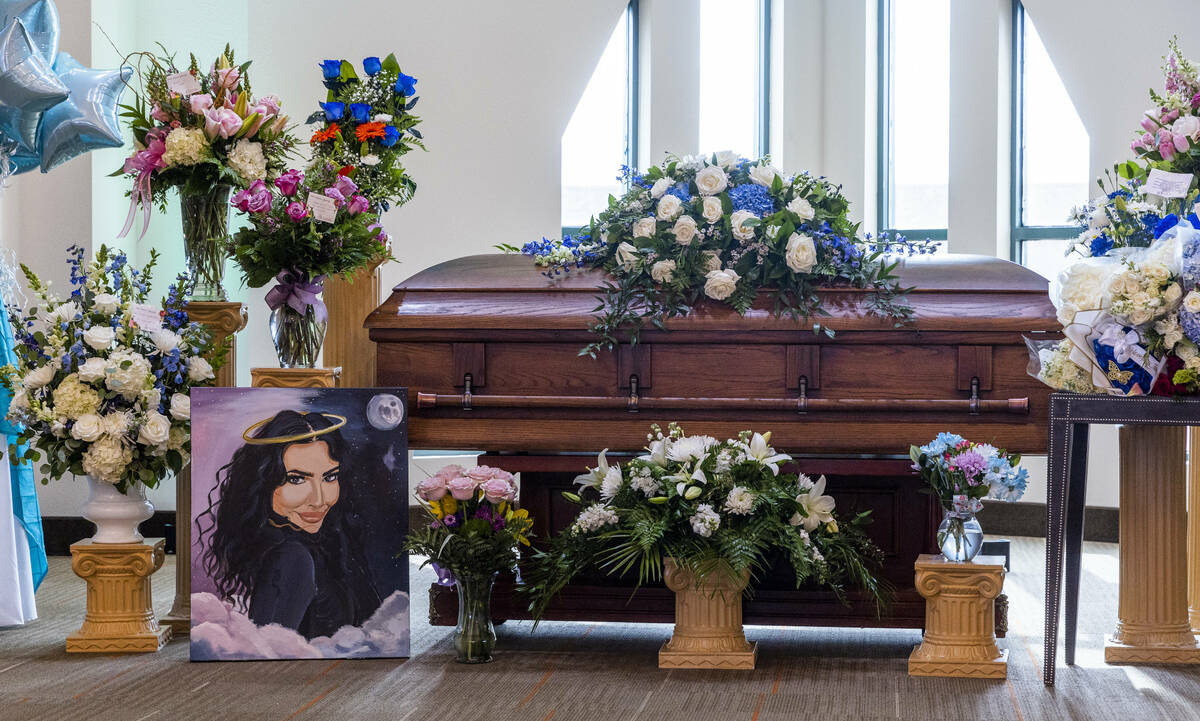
(116, 515)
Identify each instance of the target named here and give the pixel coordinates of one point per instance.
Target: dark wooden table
(1071, 415)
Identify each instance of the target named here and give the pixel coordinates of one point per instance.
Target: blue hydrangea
(1190, 323)
(680, 190)
(754, 198)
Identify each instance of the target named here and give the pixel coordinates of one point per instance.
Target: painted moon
(385, 411)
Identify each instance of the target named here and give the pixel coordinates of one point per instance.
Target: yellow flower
(444, 507)
(520, 521)
(832, 526)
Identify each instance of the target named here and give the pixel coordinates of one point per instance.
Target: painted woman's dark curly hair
(239, 505)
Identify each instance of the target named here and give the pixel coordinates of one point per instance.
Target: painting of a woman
(285, 543)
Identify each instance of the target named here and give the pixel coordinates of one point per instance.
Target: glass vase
(297, 336)
(475, 636)
(960, 536)
(206, 239)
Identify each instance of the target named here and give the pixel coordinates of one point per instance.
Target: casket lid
(506, 291)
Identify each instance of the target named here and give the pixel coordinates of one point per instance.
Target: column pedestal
(120, 609)
(708, 623)
(346, 342)
(295, 377)
(1152, 623)
(1193, 532)
(960, 618)
(223, 319)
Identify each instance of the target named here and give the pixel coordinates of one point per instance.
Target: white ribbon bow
(1125, 345)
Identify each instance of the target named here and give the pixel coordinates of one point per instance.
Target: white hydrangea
(247, 160)
(593, 518)
(705, 521)
(106, 459)
(186, 146)
(740, 501)
(128, 373)
(73, 398)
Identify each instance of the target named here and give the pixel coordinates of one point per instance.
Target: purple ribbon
(300, 294)
(445, 575)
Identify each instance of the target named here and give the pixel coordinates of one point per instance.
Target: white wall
(499, 81)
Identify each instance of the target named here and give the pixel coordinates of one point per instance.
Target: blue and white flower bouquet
(102, 380)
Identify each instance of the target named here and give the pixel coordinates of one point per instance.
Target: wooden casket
(489, 350)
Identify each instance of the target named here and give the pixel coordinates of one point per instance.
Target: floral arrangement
(724, 228)
(102, 380)
(1125, 217)
(1170, 131)
(367, 125)
(476, 527)
(195, 129)
(710, 505)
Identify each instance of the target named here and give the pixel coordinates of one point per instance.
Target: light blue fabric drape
(24, 491)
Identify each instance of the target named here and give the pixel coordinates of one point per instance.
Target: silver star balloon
(21, 126)
(41, 22)
(88, 118)
(27, 81)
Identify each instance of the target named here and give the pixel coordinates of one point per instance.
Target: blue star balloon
(41, 22)
(27, 82)
(21, 127)
(88, 118)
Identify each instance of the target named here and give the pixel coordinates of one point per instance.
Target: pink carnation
(462, 488)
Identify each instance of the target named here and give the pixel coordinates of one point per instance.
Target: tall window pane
(1055, 143)
(596, 141)
(729, 83)
(918, 144)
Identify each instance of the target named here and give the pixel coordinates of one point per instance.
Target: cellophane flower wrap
(961, 473)
(722, 228)
(476, 528)
(711, 505)
(366, 127)
(97, 394)
(221, 134)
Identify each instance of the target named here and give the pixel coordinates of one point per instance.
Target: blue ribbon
(1107, 360)
(24, 488)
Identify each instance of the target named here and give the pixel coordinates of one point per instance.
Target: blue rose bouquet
(366, 126)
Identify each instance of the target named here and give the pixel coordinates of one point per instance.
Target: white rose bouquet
(729, 227)
(710, 505)
(102, 380)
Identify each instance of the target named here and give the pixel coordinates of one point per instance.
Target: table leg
(1076, 500)
(179, 618)
(1152, 624)
(1056, 491)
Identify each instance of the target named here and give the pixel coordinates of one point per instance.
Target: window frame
(1020, 233)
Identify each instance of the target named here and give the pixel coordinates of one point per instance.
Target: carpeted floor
(606, 672)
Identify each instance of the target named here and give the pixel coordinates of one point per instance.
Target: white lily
(658, 453)
(594, 478)
(818, 508)
(759, 449)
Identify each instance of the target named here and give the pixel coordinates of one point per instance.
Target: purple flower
(289, 181)
(337, 196)
(357, 205)
(971, 463)
(258, 198)
(297, 211)
(345, 186)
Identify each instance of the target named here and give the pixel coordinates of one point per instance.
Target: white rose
(802, 208)
(39, 377)
(740, 231)
(151, 397)
(1193, 362)
(661, 186)
(88, 427)
(627, 256)
(106, 303)
(684, 230)
(1191, 302)
(727, 159)
(1188, 125)
(663, 271)
(92, 370)
(165, 340)
(711, 180)
(713, 210)
(643, 228)
(763, 175)
(99, 337)
(383, 118)
(1171, 294)
(181, 407)
(1186, 350)
(156, 429)
(712, 260)
(669, 207)
(1156, 271)
(720, 284)
(801, 254)
(199, 370)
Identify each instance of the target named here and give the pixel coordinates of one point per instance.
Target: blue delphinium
(680, 190)
(754, 198)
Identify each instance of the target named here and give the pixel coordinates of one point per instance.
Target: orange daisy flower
(366, 131)
(327, 134)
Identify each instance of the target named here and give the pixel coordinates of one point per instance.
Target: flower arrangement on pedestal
(716, 508)
(723, 228)
(475, 532)
(299, 235)
(367, 126)
(203, 133)
(102, 381)
(960, 474)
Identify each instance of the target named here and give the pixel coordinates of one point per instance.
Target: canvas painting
(299, 512)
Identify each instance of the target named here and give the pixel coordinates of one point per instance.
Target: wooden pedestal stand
(960, 618)
(223, 319)
(1152, 611)
(1193, 529)
(708, 623)
(294, 377)
(346, 341)
(120, 609)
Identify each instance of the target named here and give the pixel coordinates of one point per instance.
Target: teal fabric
(24, 486)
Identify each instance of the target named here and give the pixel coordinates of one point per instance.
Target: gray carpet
(606, 672)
